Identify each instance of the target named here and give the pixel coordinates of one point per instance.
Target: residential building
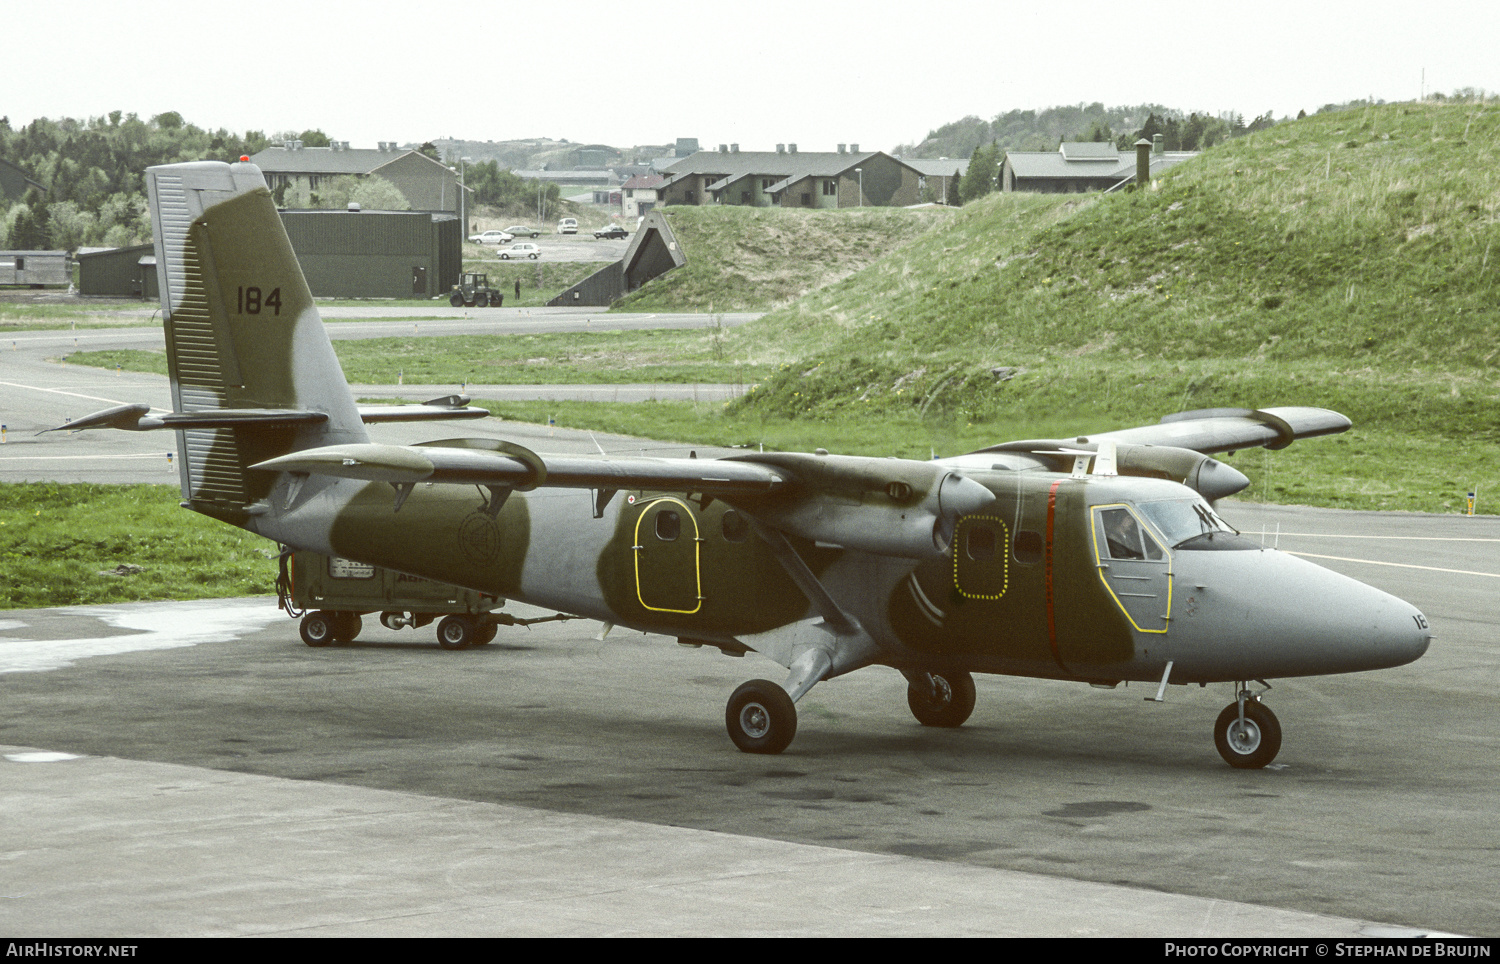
(1080, 166)
(787, 178)
(937, 175)
(642, 193)
(299, 171)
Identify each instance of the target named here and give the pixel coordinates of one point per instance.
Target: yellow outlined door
(981, 557)
(1133, 566)
(668, 557)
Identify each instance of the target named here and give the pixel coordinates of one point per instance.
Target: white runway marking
(163, 625)
(1333, 535)
(58, 391)
(1399, 565)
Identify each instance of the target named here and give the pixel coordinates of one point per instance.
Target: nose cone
(1262, 613)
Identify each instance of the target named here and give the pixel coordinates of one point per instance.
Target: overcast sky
(814, 73)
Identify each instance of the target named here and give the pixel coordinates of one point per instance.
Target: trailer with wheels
(332, 595)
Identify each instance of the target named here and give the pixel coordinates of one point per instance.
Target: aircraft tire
(761, 717)
(346, 627)
(1254, 745)
(952, 706)
(486, 634)
(457, 632)
(317, 628)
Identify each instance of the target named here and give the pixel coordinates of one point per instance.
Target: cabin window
(735, 528)
(668, 525)
(979, 542)
(1028, 547)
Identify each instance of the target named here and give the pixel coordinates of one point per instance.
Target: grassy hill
(755, 259)
(1347, 260)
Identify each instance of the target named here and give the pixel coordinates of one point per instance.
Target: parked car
(613, 231)
(491, 237)
(567, 226)
(521, 231)
(521, 249)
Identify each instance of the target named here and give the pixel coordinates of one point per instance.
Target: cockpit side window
(1124, 538)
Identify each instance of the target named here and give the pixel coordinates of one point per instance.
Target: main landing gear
(1247, 733)
(940, 699)
(762, 716)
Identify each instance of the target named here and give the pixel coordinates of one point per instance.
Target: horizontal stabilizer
(134, 418)
(446, 408)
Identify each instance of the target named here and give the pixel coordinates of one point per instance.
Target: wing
(1229, 429)
(892, 507)
(1179, 447)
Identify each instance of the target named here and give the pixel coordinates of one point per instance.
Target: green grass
(676, 356)
(755, 259)
(21, 316)
(541, 281)
(55, 539)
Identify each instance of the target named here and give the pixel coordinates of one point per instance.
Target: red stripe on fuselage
(1047, 570)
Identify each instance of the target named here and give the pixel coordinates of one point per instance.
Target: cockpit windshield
(1181, 520)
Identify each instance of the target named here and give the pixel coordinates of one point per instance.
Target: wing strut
(833, 614)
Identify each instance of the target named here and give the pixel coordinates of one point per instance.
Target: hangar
(377, 254)
(344, 254)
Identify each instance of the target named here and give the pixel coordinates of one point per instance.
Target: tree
(984, 167)
(378, 194)
(314, 138)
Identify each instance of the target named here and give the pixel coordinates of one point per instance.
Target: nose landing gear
(1247, 734)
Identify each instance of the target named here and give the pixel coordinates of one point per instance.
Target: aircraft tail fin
(242, 335)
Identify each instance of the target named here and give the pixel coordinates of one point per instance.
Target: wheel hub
(1244, 736)
(755, 721)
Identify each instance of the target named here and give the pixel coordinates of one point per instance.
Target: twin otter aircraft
(1096, 559)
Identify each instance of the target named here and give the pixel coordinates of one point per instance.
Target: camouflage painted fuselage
(1027, 587)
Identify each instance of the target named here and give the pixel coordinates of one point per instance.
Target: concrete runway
(553, 783)
(230, 780)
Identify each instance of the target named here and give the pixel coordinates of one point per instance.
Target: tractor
(474, 291)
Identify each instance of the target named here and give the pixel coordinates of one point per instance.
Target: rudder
(243, 335)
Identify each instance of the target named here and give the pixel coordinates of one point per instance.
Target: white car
(567, 226)
(491, 237)
(522, 249)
